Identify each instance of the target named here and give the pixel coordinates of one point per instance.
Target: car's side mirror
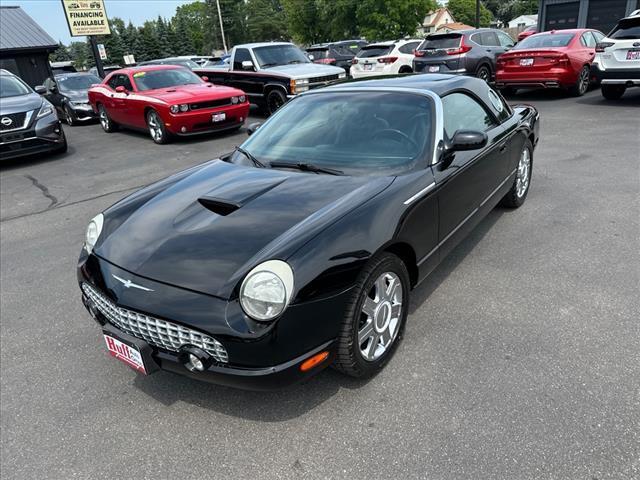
(253, 127)
(311, 57)
(40, 89)
(121, 89)
(248, 65)
(464, 140)
(205, 78)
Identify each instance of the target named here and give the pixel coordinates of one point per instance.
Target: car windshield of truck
(12, 87)
(154, 79)
(627, 30)
(76, 82)
(371, 51)
(275, 55)
(440, 42)
(357, 133)
(545, 40)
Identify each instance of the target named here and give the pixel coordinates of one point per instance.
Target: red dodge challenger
(556, 59)
(166, 100)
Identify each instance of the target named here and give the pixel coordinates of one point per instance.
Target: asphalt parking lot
(521, 357)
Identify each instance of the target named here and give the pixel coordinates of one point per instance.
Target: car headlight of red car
(179, 108)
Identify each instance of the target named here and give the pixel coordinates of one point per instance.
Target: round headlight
(266, 290)
(242, 98)
(234, 99)
(174, 108)
(184, 107)
(93, 232)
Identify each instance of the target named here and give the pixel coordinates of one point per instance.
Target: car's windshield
(76, 82)
(275, 55)
(153, 79)
(12, 87)
(358, 133)
(545, 40)
(371, 51)
(627, 30)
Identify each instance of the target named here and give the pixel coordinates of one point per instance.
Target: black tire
(613, 92)
(157, 131)
(349, 359)
(582, 83)
(275, 99)
(405, 70)
(484, 73)
(69, 117)
(64, 147)
(516, 197)
(107, 124)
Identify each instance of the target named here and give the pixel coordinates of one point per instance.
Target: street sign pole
(96, 55)
(477, 13)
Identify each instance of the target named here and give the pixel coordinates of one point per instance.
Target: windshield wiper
(306, 167)
(294, 61)
(267, 65)
(257, 162)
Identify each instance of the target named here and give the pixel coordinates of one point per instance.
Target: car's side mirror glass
(247, 65)
(464, 140)
(251, 129)
(40, 89)
(205, 78)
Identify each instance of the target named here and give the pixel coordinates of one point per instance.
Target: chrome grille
(325, 79)
(154, 331)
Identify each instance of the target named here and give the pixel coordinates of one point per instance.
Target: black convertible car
(299, 249)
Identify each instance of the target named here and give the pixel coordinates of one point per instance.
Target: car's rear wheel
(520, 188)
(375, 317)
(613, 92)
(483, 73)
(405, 69)
(275, 100)
(108, 125)
(582, 83)
(157, 130)
(69, 117)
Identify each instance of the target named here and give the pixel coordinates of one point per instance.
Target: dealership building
(598, 14)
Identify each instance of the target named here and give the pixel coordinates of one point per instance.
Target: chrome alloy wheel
(583, 82)
(522, 176)
(381, 314)
(104, 119)
(155, 127)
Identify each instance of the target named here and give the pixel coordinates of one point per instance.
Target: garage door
(604, 14)
(562, 15)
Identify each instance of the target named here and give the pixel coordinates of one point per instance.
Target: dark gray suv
(468, 52)
(28, 123)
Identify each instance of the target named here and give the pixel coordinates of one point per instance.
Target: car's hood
(20, 103)
(191, 93)
(306, 70)
(206, 230)
(77, 95)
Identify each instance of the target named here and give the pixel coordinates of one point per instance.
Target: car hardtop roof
(565, 30)
(262, 44)
(148, 68)
(440, 84)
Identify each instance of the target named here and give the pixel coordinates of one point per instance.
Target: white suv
(384, 58)
(617, 61)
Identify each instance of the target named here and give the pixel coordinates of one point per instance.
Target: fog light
(183, 129)
(195, 363)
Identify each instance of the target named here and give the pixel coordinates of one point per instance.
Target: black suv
(331, 54)
(468, 52)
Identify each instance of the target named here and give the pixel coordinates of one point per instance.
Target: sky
(50, 16)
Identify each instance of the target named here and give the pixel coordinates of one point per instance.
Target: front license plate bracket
(143, 348)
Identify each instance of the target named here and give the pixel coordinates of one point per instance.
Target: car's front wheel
(375, 317)
(69, 117)
(613, 92)
(157, 130)
(108, 125)
(520, 187)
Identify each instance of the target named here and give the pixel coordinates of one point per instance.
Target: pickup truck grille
(325, 79)
(210, 104)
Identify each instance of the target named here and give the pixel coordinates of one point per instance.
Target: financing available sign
(86, 17)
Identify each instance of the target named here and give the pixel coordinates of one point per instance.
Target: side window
(490, 39)
(242, 55)
(598, 35)
(477, 38)
(461, 112)
(409, 47)
(505, 40)
(589, 39)
(113, 82)
(126, 83)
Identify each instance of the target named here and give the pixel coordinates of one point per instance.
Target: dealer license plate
(367, 66)
(125, 353)
(218, 117)
(434, 68)
(633, 55)
(526, 62)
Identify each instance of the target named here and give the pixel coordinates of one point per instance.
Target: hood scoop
(219, 206)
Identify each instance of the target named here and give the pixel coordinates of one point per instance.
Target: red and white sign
(125, 353)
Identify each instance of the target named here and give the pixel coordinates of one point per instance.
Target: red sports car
(556, 59)
(166, 100)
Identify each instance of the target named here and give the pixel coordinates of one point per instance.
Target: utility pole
(224, 42)
(477, 13)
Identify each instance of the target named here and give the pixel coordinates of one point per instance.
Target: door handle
(503, 147)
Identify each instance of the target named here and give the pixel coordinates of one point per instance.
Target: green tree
(114, 44)
(391, 19)
(61, 54)
(193, 18)
(183, 41)
(339, 18)
(266, 20)
(148, 46)
(303, 21)
(165, 48)
(465, 11)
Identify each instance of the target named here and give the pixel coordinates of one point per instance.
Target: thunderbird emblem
(636, 44)
(6, 121)
(130, 284)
